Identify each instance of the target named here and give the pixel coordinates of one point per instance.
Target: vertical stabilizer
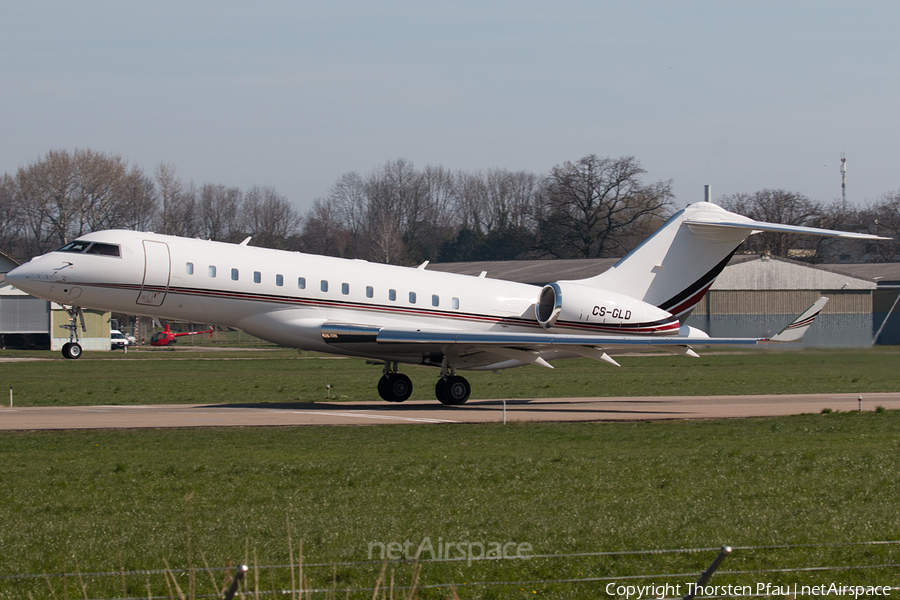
(675, 266)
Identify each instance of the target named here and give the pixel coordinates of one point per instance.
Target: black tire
(71, 350)
(395, 387)
(454, 390)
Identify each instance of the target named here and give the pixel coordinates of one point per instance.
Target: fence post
(692, 591)
(232, 589)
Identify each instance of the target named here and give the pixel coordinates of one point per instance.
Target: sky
(292, 94)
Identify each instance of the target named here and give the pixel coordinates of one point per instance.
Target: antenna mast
(844, 177)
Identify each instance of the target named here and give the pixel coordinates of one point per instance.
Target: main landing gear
(72, 349)
(450, 389)
(453, 390)
(394, 386)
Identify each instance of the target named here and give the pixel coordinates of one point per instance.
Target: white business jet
(392, 315)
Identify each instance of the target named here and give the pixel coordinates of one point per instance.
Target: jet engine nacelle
(572, 302)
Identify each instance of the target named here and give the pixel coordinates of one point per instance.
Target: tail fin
(797, 329)
(674, 268)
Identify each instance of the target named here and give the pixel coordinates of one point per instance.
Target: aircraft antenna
(844, 177)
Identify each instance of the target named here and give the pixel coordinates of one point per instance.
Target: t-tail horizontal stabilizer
(797, 329)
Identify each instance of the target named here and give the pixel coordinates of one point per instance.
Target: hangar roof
(885, 274)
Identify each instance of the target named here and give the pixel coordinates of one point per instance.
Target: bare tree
(64, 195)
(269, 218)
(218, 212)
(396, 199)
(472, 203)
(841, 216)
(323, 231)
(138, 194)
(883, 218)
(46, 191)
(11, 217)
(496, 199)
(595, 205)
(434, 221)
(100, 201)
(347, 203)
(172, 197)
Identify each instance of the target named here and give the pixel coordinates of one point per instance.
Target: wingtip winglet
(795, 331)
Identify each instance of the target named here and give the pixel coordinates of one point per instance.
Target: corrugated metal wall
(24, 314)
(751, 302)
(845, 321)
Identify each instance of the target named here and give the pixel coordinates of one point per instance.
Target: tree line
(592, 207)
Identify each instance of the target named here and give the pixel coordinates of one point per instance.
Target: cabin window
(370, 291)
(435, 300)
(301, 283)
(412, 297)
(103, 249)
(345, 288)
(324, 285)
(212, 270)
(235, 275)
(279, 280)
(189, 267)
(454, 302)
(392, 295)
(257, 277)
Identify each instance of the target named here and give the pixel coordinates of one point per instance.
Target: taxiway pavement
(431, 412)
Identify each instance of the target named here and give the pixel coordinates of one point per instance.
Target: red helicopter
(167, 338)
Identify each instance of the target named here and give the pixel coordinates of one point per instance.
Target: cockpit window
(81, 247)
(75, 247)
(104, 249)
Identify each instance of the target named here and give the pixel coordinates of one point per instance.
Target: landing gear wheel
(394, 387)
(453, 390)
(71, 350)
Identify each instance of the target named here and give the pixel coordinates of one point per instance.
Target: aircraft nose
(17, 275)
(26, 277)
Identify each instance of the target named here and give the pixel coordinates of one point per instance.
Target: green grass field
(160, 376)
(130, 498)
(91, 502)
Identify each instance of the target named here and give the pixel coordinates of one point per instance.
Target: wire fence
(855, 569)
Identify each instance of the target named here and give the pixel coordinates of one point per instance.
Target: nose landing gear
(72, 349)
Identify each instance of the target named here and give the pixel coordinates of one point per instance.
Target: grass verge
(209, 376)
(85, 502)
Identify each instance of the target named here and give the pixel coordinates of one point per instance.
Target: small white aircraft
(393, 315)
